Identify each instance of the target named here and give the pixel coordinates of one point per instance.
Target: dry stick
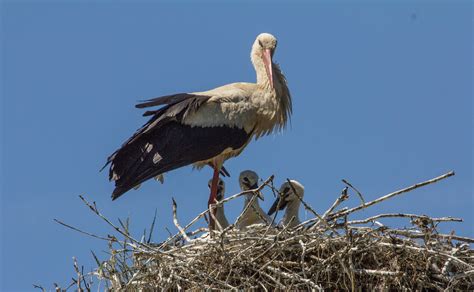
(152, 227)
(83, 232)
(409, 234)
(211, 214)
(273, 244)
(291, 276)
(377, 272)
(96, 211)
(265, 233)
(274, 280)
(303, 253)
(76, 267)
(356, 190)
(175, 221)
(330, 215)
(336, 203)
(401, 215)
(420, 249)
(136, 274)
(388, 196)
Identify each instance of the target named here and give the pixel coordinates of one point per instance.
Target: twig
(96, 211)
(377, 272)
(436, 235)
(81, 231)
(390, 195)
(152, 227)
(336, 203)
(356, 190)
(79, 275)
(175, 221)
(419, 249)
(401, 215)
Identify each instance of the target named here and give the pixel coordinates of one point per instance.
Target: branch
(175, 221)
(390, 195)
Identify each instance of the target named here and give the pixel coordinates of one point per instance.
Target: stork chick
(291, 200)
(219, 213)
(254, 214)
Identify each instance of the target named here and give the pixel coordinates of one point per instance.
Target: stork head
(220, 189)
(248, 180)
(289, 192)
(264, 47)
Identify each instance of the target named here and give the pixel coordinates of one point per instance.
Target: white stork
(291, 200)
(254, 214)
(220, 214)
(205, 128)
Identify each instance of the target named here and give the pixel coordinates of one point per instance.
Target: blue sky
(382, 94)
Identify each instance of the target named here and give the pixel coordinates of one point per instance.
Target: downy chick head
(290, 193)
(248, 180)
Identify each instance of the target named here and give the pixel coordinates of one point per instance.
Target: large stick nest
(329, 251)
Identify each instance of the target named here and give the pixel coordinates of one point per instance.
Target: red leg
(213, 196)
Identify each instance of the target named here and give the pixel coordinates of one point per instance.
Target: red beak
(267, 60)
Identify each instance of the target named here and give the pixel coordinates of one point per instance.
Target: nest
(329, 251)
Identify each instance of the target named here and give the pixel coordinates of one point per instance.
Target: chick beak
(279, 203)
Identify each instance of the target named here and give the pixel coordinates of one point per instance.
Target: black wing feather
(170, 112)
(177, 144)
(168, 99)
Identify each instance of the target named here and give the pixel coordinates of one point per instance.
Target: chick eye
(286, 190)
(246, 179)
(260, 43)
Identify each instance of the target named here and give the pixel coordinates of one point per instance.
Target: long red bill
(267, 60)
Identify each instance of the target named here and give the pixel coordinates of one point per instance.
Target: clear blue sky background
(382, 96)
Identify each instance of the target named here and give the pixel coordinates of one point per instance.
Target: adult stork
(205, 128)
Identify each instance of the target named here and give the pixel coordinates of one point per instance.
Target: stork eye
(246, 179)
(286, 190)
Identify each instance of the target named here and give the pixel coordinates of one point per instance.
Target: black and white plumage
(290, 196)
(204, 128)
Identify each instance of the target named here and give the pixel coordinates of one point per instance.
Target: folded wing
(164, 143)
